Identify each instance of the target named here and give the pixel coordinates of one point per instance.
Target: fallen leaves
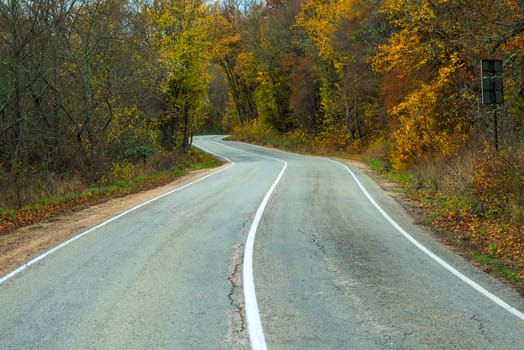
(31, 215)
(499, 241)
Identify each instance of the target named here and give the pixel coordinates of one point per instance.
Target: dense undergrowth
(297, 140)
(473, 201)
(125, 178)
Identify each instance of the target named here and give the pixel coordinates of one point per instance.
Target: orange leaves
(224, 36)
(515, 44)
(29, 216)
(499, 184)
(423, 71)
(487, 236)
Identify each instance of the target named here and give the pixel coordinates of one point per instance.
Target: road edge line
(104, 223)
(432, 255)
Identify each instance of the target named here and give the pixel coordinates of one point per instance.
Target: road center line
(254, 324)
(71, 240)
(432, 255)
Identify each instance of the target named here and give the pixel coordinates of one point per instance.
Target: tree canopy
(86, 84)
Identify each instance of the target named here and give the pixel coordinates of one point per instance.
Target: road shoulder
(20, 245)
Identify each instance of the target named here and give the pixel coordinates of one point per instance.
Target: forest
(96, 90)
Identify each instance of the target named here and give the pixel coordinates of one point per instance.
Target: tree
(181, 28)
(227, 53)
(431, 64)
(349, 87)
(74, 77)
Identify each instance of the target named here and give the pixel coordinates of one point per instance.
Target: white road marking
(432, 255)
(71, 240)
(216, 154)
(254, 324)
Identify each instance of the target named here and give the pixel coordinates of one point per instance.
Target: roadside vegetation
(125, 179)
(397, 84)
(95, 91)
(97, 99)
(472, 202)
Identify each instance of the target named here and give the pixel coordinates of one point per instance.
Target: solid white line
(254, 324)
(247, 152)
(71, 240)
(433, 256)
(215, 154)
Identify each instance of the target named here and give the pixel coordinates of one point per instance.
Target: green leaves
(182, 34)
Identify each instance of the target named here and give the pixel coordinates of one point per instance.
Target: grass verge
(47, 207)
(489, 262)
(496, 245)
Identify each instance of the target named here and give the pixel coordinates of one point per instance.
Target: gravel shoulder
(19, 246)
(23, 244)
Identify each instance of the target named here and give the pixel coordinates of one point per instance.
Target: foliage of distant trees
(88, 84)
(357, 71)
(85, 84)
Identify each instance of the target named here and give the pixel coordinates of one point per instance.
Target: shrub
(377, 154)
(255, 131)
(498, 183)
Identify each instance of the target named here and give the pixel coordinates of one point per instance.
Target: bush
(377, 154)
(498, 183)
(256, 131)
(334, 141)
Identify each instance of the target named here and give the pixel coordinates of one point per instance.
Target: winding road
(275, 250)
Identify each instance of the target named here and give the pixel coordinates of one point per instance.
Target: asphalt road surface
(277, 251)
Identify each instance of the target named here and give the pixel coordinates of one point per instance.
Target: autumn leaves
(91, 83)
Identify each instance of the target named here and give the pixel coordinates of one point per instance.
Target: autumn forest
(93, 91)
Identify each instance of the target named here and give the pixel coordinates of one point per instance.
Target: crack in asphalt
(347, 285)
(315, 239)
(237, 330)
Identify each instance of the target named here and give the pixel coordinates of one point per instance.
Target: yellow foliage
(317, 18)
(424, 73)
(320, 20)
(423, 132)
(224, 37)
(246, 65)
(124, 170)
(334, 140)
(404, 52)
(256, 130)
(126, 120)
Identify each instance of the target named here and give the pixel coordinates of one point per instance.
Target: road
(277, 251)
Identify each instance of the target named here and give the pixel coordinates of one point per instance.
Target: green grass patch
(7, 214)
(376, 164)
(504, 271)
(405, 179)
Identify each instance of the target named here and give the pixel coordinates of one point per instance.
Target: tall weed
(498, 183)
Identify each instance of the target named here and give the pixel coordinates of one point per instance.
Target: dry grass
(31, 199)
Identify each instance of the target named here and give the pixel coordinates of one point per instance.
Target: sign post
(492, 89)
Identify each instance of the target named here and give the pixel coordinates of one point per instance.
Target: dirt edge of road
(418, 215)
(23, 244)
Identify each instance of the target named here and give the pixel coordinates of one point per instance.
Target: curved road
(330, 271)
